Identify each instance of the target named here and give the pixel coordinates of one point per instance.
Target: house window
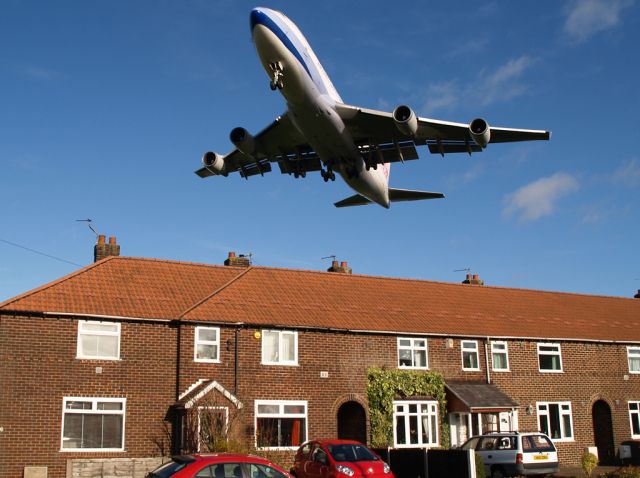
(415, 423)
(98, 340)
(412, 353)
(212, 428)
(470, 355)
(549, 358)
(280, 424)
(279, 347)
(554, 419)
(634, 419)
(633, 356)
(500, 356)
(93, 424)
(207, 344)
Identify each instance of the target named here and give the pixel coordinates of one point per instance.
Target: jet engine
(215, 163)
(480, 132)
(406, 120)
(243, 140)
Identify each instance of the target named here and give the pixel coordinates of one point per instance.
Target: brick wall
(39, 368)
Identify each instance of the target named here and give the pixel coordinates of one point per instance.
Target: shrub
(627, 472)
(589, 462)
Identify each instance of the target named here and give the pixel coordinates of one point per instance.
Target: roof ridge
(215, 292)
(56, 282)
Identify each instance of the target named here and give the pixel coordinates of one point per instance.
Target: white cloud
(628, 174)
(539, 198)
(503, 84)
(588, 17)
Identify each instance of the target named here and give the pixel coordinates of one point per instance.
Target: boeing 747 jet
(319, 132)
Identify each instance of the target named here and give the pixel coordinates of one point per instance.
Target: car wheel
(497, 473)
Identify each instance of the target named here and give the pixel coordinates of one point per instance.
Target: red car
(337, 459)
(218, 465)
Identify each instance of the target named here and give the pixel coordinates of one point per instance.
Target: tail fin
(395, 195)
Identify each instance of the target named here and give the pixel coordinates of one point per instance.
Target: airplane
(319, 132)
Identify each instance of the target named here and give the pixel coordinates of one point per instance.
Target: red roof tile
(262, 296)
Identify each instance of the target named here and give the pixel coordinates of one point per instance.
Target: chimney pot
(112, 240)
(101, 239)
(232, 254)
(475, 276)
(343, 264)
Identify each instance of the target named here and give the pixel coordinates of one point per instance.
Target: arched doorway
(603, 432)
(352, 422)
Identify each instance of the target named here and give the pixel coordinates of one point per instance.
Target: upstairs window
(500, 356)
(470, 355)
(633, 356)
(549, 358)
(98, 340)
(412, 353)
(279, 347)
(207, 344)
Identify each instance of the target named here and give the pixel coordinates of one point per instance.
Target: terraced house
(107, 362)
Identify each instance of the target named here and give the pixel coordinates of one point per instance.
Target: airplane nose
(256, 17)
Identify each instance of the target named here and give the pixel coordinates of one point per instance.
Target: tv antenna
(88, 221)
(466, 269)
(333, 258)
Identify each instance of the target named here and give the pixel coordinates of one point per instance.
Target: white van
(515, 453)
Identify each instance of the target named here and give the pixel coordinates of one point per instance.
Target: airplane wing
(378, 128)
(279, 142)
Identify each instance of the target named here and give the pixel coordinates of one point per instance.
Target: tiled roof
(263, 297)
(126, 287)
(480, 395)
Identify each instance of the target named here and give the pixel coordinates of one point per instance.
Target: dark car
(336, 459)
(218, 465)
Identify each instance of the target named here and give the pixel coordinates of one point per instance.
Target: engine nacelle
(243, 140)
(214, 162)
(406, 120)
(480, 132)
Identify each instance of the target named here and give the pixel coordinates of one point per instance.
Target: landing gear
(327, 175)
(276, 76)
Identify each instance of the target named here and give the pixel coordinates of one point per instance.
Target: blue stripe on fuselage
(260, 17)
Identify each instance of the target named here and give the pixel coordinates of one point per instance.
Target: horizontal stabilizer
(395, 195)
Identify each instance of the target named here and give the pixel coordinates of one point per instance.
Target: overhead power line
(39, 252)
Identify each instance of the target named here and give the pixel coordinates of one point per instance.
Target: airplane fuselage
(311, 101)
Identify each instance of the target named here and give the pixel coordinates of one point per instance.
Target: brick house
(103, 362)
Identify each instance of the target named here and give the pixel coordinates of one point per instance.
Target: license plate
(540, 457)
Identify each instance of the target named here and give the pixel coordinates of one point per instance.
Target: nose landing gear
(276, 76)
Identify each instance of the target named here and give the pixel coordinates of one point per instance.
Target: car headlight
(345, 470)
(386, 468)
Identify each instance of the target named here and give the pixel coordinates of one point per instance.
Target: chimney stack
(340, 267)
(239, 261)
(102, 249)
(637, 296)
(473, 280)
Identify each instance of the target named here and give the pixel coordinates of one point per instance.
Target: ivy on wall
(385, 386)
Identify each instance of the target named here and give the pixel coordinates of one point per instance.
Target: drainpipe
(486, 358)
(235, 363)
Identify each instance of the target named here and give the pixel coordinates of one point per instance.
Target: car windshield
(351, 452)
(169, 469)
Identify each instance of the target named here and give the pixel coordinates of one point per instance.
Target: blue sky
(107, 107)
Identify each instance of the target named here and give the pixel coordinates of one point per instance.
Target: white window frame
(93, 411)
(546, 352)
(99, 333)
(635, 412)
(280, 347)
(281, 414)
(414, 348)
(505, 352)
(475, 350)
(197, 341)
(633, 353)
(543, 410)
(433, 411)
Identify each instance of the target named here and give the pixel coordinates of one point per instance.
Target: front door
(352, 422)
(603, 432)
